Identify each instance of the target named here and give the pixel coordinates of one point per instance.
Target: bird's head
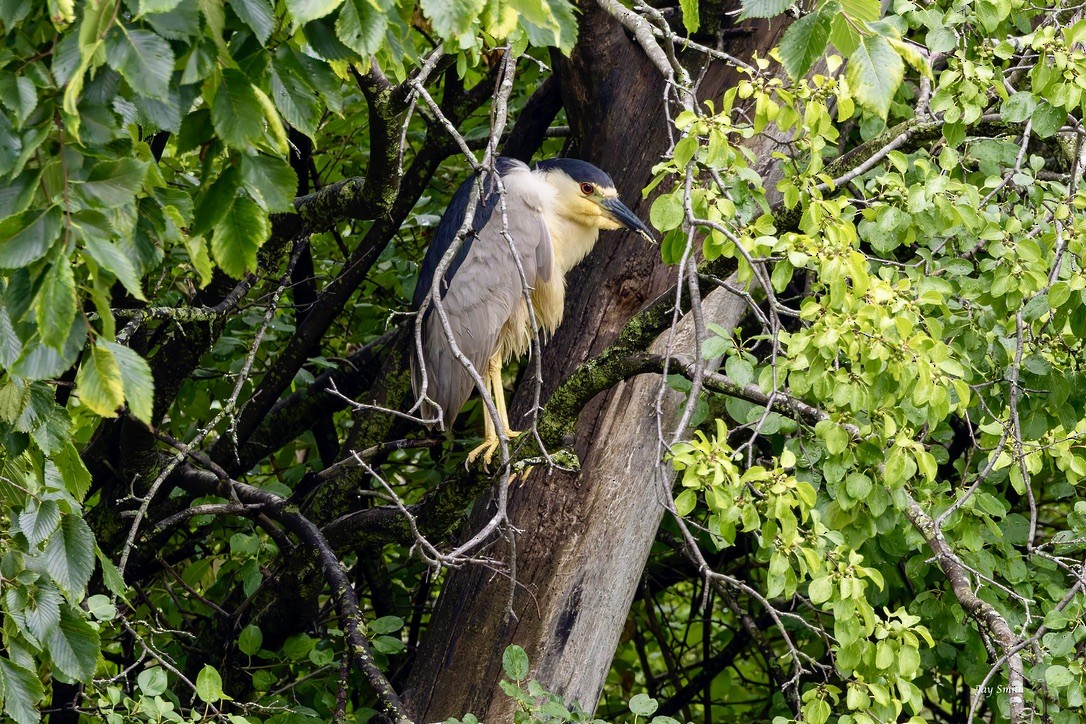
(586, 195)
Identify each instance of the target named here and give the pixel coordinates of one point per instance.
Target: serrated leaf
(98, 382)
(136, 379)
(110, 257)
(115, 183)
(258, 15)
(238, 236)
(270, 181)
(22, 692)
(803, 43)
(69, 556)
(74, 473)
(143, 58)
(42, 611)
(875, 71)
(763, 8)
(111, 576)
(361, 27)
(306, 10)
(451, 19)
(55, 304)
(73, 645)
(691, 19)
(38, 521)
(296, 100)
(236, 112)
(27, 237)
(16, 194)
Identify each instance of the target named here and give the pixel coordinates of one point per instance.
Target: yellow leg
(490, 439)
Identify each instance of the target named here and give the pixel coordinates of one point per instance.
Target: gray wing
(483, 294)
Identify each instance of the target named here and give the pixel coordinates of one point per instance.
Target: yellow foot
(487, 448)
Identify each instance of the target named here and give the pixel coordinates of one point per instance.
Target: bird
(553, 213)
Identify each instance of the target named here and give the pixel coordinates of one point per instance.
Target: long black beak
(627, 218)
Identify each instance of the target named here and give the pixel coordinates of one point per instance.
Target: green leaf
(112, 259)
(362, 27)
(250, 639)
(874, 73)
(39, 520)
(27, 237)
(77, 479)
(270, 181)
(69, 556)
(55, 304)
(143, 58)
(386, 624)
(804, 42)
(42, 611)
(209, 685)
(98, 382)
(763, 8)
(136, 380)
(236, 112)
(1047, 119)
(22, 692)
(306, 10)
(115, 183)
(238, 235)
(16, 194)
(153, 681)
(515, 663)
(101, 607)
(643, 705)
(74, 645)
(451, 19)
(157, 6)
(1059, 676)
(1018, 107)
(258, 15)
(667, 212)
(685, 502)
(111, 576)
(691, 19)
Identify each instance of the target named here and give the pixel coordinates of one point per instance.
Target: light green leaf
(22, 692)
(804, 42)
(39, 520)
(306, 10)
(258, 15)
(77, 479)
(270, 181)
(98, 382)
(386, 624)
(152, 681)
(74, 645)
(55, 304)
(27, 237)
(157, 6)
(69, 556)
(1018, 107)
(101, 607)
(666, 212)
(1059, 676)
(643, 705)
(143, 58)
(110, 258)
(361, 27)
(238, 235)
(209, 685)
(515, 663)
(691, 19)
(874, 73)
(452, 19)
(763, 8)
(685, 502)
(236, 112)
(136, 380)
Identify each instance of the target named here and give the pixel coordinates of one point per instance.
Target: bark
(584, 538)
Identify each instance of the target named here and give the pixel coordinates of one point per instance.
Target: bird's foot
(487, 448)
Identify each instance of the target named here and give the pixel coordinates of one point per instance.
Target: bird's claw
(487, 448)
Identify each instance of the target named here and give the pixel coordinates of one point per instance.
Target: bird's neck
(571, 241)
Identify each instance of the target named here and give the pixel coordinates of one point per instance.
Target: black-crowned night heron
(553, 215)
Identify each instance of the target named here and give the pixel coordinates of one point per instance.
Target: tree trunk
(583, 538)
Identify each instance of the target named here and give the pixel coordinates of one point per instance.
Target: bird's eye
(587, 189)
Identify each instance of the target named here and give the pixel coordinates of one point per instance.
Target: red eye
(587, 189)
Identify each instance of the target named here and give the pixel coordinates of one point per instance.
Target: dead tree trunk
(584, 538)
